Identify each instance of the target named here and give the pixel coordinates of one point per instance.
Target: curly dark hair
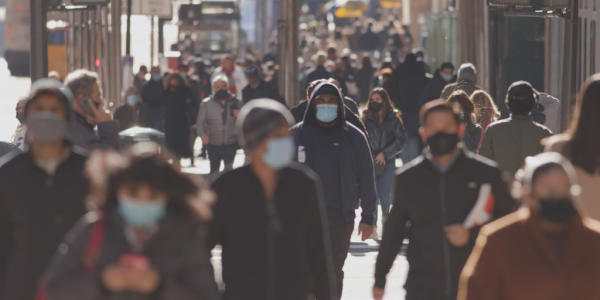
(467, 106)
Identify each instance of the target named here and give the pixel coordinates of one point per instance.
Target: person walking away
(19, 137)
(177, 96)
(43, 191)
(465, 81)
(434, 88)
(319, 71)
(510, 141)
(582, 147)
(272, 54)
(387, 136)
(145, 241)
(349, 102)
(407, 85)
(90, 114)
(235, 76)
(363, 78)
(134, 113)
(152, 93)
(339, 153)
(272, 226)
(369, 41)
(487, 111)
(257, 88)
(549, 107)
(216, 125)
(474, 131)
(435, 193)
(140, 78)
(546, 250)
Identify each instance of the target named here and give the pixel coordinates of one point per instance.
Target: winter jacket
(138, 115)
(430, 200)
(467, 86)
(356, 167)
(389, 138)
(36, 211)
(217, 120)
(363, 80)
(299, 110)
(237, 80)
(472, 140)
(263, 90)
(177, 251)
(513, 260)
(152, 93)
(433, 89)
(510, 141)
(369, 41)
(82, 134)
(318, 72)
(279, 245)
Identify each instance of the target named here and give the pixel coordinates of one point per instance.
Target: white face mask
(447, 77)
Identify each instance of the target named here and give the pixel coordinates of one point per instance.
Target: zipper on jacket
(448, 288)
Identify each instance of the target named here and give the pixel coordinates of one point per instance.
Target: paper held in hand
(483, 209)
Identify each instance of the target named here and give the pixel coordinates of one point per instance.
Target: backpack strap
(92, 251)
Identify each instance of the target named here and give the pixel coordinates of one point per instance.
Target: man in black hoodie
(152, 93)
(339, 153)
(434, 88)
(437, 193)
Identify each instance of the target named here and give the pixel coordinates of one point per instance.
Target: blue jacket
(356, 169)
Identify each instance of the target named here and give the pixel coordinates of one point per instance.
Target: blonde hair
(485, 107)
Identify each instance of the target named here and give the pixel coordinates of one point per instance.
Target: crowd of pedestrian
(487, 213)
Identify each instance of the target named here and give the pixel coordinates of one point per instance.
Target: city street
(359, 266)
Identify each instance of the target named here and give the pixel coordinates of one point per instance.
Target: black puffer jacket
(388, 138)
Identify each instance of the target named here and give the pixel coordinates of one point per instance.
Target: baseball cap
(253, 71)
(521, 91)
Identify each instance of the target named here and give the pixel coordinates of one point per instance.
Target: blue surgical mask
(133, 99)
(156, 77)
(327, 112)
(280, 152)
(141, 214)
(183, 74)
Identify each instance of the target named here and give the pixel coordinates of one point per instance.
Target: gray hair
(467, 71)
(81, 81)
(220, 77)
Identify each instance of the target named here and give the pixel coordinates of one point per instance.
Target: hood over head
(325, 88)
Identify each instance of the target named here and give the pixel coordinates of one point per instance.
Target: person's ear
(461, 131)
(422, 134)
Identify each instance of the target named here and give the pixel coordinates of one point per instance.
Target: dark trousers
(218, 153)
(340, 232)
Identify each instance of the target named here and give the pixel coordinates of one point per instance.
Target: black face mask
(557, 210)
(21, 117)
(442, 143)
(376, 106)
(221, 94)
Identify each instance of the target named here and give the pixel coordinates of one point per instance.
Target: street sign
(161, 8)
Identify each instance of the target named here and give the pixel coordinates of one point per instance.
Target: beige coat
(589, 200)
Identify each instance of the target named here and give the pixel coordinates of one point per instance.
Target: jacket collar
(521, 118)
(456, 159)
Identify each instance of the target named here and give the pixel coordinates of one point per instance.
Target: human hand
(377, 293)
(114, 278)
(144, 281)
(100, 115)
(457, 235)
(365, 230)
(380, 159)
(204, 139)
(235, 112)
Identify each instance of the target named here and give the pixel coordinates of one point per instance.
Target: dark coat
(152, 94)
(201, 87)
(319, 72)
(430, 200)
(356, 167)
(363, 81)
(433, 89)
(83, 135)
(36, 211)
(463, 85)
(513, 260)
(369, 41)
(177, 251)
(264, 90)
(389, 138)
(178, 121)
(286, 251)
(409, 81)
(138, 115)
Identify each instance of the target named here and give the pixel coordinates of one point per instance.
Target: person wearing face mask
(235, 76)
(90, 114)
(152, 93)
(510, 141)
(257, 88)
(435, 193)
(545, 250)
(434, 88)
(387, 136)
(272, 225)
(43, 191)
(216, 125)
(176, 115)
(340, 154)
(465, 81)
(133, 113)
(146, 239)
(18, 138)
